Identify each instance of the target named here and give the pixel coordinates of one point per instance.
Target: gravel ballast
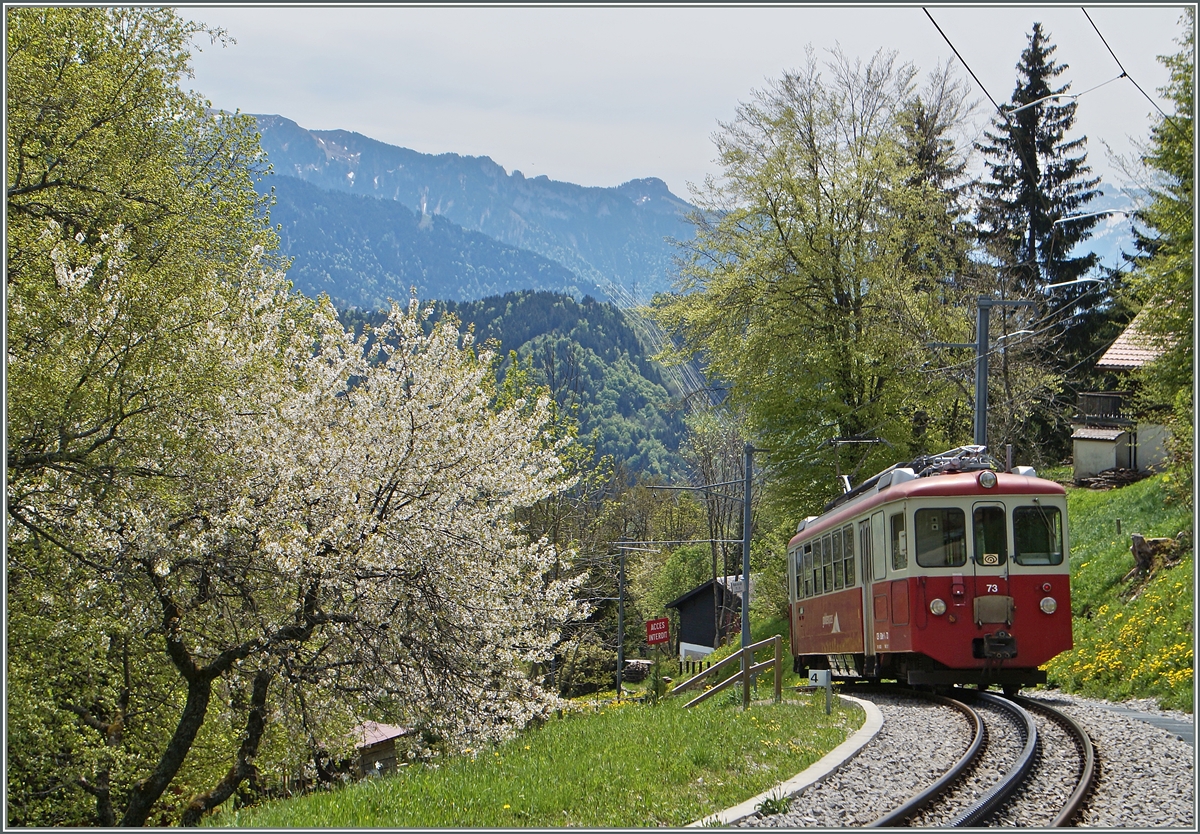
(1146, 772)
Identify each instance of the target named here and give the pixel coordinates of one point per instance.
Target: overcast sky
(599, 96)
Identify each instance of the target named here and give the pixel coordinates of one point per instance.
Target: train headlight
(1048, 604)
(937, 607)
(987, 479)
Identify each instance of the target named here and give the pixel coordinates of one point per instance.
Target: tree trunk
(1144, 550)
(244, 768)
(146, 792)
(105, 817)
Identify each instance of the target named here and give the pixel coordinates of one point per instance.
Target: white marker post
(823, 677)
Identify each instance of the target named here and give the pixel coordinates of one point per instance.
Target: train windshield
(1037, 534)
(941, 537)
(991, 536)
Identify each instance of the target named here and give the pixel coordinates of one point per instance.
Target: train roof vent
(900, 475)
(805, 523)
(1028, 471)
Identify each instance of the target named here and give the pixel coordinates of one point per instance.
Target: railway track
(1026, 764)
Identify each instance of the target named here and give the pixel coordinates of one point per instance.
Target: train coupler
(997, 646)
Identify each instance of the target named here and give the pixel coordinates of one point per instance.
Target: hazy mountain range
(363, 251)
(615, 239)
(461, 227)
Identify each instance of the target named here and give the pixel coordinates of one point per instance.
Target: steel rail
(1003, 790)
(917, 802)
(1087, 755)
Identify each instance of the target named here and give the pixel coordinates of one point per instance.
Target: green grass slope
(614, 765)
(1134, 637)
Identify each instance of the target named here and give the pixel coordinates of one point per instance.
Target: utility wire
(995, 348)
(960, 58)
(1017, 147)
(1125, 74)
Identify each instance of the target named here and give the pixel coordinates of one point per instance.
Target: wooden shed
(376, 746)
(699, 611)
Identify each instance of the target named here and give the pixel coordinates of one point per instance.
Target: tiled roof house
(1132, 349)
(1105, 434)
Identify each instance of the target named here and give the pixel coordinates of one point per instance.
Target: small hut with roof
(1107, 434)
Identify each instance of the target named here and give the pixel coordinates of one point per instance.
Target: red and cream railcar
(942, 571)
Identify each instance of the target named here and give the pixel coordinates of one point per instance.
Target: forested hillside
(363, 251)
(587, 354)
(601, 234)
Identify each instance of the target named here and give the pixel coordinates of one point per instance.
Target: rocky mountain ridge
(618, 235)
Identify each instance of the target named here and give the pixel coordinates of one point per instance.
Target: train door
(890, 594)
(865, 568)
(989, 563)
(878, 595)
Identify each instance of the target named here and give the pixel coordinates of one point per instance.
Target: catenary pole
(749, 463)
(620, 623)
(747, 659)
(982, 348)
(981, 370)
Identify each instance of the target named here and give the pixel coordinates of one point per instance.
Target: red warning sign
(658, 631)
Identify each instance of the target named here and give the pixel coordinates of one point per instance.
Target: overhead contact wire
(1125, 74)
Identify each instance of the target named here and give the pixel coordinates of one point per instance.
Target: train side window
(864, 548)
(808, 570)
(848, 554)
(1037, 536)
(797, 559)
(837, 559)
(798, 567)
(827, 562)
(941, 537)
(899, 543)
(818, 574)
(878, 548)
(991, 536)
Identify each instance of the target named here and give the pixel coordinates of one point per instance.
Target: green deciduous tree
(131, 219)
(1165, 278)
(100, 138)
(816, 276)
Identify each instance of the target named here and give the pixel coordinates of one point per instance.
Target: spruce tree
(1036, 178)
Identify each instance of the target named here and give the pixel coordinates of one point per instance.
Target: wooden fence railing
(744, 656)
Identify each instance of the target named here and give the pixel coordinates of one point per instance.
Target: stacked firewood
(1111, 479)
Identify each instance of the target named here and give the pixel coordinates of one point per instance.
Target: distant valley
(548, 270)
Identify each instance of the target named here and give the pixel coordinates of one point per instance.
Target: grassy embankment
(1133, 639)
(612, 765)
